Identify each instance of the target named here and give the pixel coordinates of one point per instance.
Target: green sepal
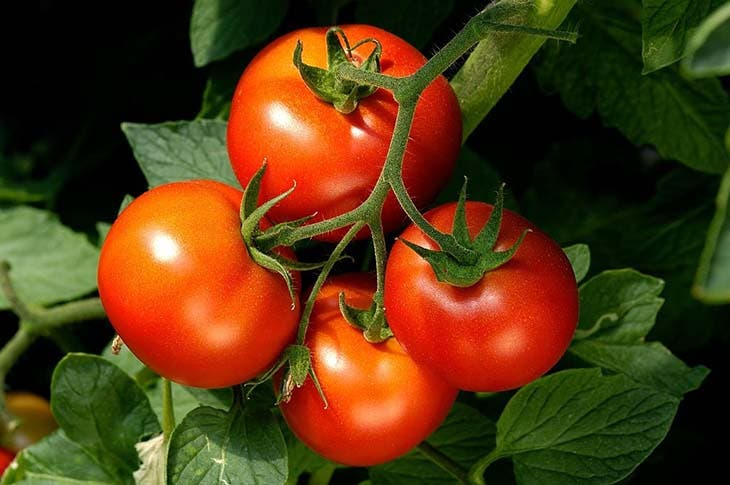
(366, 320)
(299, 359)
(272, 263)
(344, 95)
(271, 237)
(448, 269)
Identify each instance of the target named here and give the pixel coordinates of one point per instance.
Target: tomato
(508, 329)
(6, 458)
(381, 403)
(182, 292)
(334, 158)
(27, 419)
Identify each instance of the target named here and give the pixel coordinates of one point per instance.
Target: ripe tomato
(180, 288)
(381, 403)
(26, 420)
(501, 333)
(6, 458)
(334, 158)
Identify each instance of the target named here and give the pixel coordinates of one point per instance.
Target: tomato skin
(182, 292)
(381, 403)
(6, 458)
(501, 333)
(34, 420)
(334, 158)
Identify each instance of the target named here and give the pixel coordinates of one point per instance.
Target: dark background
(73, 71)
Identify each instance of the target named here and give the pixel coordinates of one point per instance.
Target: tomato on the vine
(506, 330)
(183, 293)
(336, 158)
(26, 419)
(381, 403)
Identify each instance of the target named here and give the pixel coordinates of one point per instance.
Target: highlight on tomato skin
(274, 116)
(381, 404)
(181, 290)
(499, 334)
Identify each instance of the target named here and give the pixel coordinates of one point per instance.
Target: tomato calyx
(325, 84)
(370, 321)
(448, 268)
(260, 244)
(296, 363)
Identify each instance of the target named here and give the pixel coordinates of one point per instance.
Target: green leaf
(221, 27)
(619, 306)
(465, 436)
(707, 50)
(181, 150)
(650, 363)
(666, 27)
(580, 427)
(580, 259)
(215, 446)
(495, 63)
(101, 408)
(685, 120)
(182, 401)
(57, 460)
(103, 411)
(618, 309)
(712, 283)
(413, 20)
(49, 262)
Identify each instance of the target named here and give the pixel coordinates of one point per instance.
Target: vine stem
(168, 410)
(476, 472)
(37, 321)
(334, 257)
(444, 462)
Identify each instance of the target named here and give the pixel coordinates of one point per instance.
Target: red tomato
(6, 458)
(28, 418)
(501, 333)
(180, 288)
(334, 158)
(381, 403)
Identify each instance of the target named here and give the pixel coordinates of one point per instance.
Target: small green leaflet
(464, 437)
(181, 150)
(707, 51)
(212, 446)
(685, 120)
(49, 263)
(580, 259)
(580, 427)
(221, 27)
(712, 283)
(666, 27)
(617, 310)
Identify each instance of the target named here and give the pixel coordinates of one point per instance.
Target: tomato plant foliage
(618, 158)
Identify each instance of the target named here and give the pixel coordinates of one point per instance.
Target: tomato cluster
(183, 291)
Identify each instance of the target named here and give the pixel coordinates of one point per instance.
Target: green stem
(476, 472)
(323, 475)
(36, 321)
(12, 350)
(168, 410)
(334, 257)
(374, 332)
(444, 462)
